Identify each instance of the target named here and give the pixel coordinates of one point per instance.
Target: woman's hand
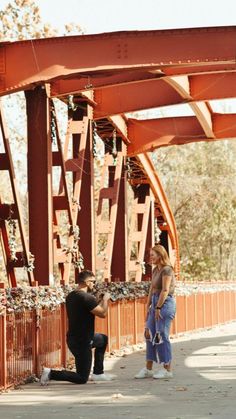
(158, 314)
(148, 310)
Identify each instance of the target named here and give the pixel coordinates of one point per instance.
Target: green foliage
(199, 180)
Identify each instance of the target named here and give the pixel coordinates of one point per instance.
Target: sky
(113, 15)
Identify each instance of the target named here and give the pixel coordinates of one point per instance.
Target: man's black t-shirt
(81, 321)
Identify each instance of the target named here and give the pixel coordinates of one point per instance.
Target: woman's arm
(166, 281)
(149, 299)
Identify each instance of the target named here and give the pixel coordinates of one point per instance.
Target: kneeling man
(81, 308)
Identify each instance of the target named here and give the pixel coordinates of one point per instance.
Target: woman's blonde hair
(161, 251)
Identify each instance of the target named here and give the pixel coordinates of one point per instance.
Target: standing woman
(161, 310)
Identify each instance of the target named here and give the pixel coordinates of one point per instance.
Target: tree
(21, 19)
(199, 180)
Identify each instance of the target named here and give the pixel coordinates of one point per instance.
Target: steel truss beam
(140, 218)
(212, 84)
(140, 171)
(109, 194)
(11, 213)
(147, 135)
(78, 138)
(172, 49)
(161, 202)
(164, 91)
(133, 71)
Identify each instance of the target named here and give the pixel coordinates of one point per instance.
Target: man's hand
(106, 296)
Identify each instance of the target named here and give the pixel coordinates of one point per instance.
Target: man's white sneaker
(45, 377)
(163, 374)
(102, 377)
(144, 373)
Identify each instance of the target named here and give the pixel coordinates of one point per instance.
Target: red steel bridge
(102, 78)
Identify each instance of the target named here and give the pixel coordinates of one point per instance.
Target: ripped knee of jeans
(148, 334)
(157, 340)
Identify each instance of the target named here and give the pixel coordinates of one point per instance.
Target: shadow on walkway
(204, 385)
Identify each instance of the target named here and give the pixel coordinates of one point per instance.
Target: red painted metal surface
(161, 199)
(119, 262)
(86, 216)
(133, 70)
(114, 326)
(35, 59)
(19, 343)
(50, 338)
(11, 212)
(40, 184)
(3, 366)
(137, 89)
(127, 328)
(151, 93)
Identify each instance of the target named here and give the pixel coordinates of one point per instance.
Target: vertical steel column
(86, 214)
(144, 191)
(139, 228)
(112, 170)
(150, 241)
(119, 266)
(40, 184)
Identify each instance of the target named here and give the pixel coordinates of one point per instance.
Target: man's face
(90, 282)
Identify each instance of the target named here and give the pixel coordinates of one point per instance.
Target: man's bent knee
(105, 338)
(83, 380)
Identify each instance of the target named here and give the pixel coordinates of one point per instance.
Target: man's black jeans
(82, 352)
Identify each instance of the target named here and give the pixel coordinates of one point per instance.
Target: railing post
(109, 328)
(4, 355)
(3, 337)
(230, 306)
(234, 304)
(63, 335)
(195, 311)
(118, 324)
(204, 309)
(224, 308)
(218, 308)
(186, 312)
(211, 299)
(35, 348)
(135, 323)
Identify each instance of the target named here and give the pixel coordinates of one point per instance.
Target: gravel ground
(204, 385)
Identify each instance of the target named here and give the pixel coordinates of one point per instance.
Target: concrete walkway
(204, 386)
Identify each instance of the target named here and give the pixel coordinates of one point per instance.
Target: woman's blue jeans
(158, 346)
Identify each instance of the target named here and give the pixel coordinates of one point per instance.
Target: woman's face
(154, 257)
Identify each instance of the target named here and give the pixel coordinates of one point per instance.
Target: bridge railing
(33, 338)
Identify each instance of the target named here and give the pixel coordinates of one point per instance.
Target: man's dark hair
(83, 275)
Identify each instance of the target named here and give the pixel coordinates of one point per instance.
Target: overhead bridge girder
(175, 51)
(147, 135)
(159, 92)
